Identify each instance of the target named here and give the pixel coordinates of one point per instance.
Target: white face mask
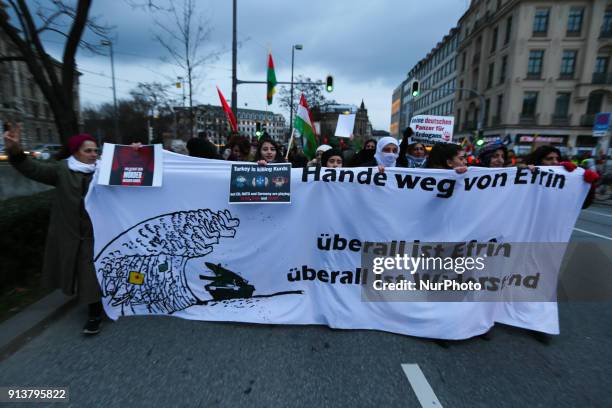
(388, 159)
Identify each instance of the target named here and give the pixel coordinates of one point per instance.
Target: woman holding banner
(268, 151)
(447, 156)
(68, 260)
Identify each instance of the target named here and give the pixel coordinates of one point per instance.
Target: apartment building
(543, 68)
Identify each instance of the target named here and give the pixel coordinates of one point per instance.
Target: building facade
(22, 101)
(326, 117)
(436, 74)
(212, 120)
(543, 68)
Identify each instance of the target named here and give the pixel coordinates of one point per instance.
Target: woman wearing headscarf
(318, 153)
(387, 152)
(68, 260)
(365, 156)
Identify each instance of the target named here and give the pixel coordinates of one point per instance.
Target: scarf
(415, 162)
(386, 159)
(75, 165)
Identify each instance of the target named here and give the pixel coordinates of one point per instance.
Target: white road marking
(420, 386)
(598, 213)
(592, 233)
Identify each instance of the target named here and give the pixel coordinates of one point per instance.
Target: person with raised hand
(68, 259)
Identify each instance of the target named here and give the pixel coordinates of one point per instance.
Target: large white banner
(183, 250)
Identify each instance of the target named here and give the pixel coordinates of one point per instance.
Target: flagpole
(290, 143)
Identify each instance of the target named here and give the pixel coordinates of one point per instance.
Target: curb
(19, 329)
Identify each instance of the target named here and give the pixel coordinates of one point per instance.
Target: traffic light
(416, 88)
(329, 83)
(480, 142)
(258, 131)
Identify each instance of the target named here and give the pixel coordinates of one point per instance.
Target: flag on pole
(228, 111)
(305, 125)
(271, 79)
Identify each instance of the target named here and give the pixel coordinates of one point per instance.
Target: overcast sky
(368, 46)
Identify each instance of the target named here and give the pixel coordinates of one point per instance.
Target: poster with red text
(130, 166)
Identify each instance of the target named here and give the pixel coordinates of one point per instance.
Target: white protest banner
(345, 126)
(429, 129)
(182, 250)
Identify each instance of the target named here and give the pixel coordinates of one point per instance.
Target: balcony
(602, 78)
(587, 120)
(528, 119)
(561, 120)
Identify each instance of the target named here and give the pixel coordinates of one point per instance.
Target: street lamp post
(295, 47)
(109, 44)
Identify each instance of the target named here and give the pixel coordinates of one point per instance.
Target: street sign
(602, 124)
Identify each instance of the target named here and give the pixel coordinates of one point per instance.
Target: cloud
(368, 46)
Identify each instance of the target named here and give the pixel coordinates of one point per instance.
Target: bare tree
(312, 92)
(56, 80)
(183, 34)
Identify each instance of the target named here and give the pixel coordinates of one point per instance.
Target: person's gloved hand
(591, 176)
(569, 166)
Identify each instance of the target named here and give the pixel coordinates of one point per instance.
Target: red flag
(230, 115)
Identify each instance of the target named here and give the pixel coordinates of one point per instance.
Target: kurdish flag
(271, 79)
(305, 125)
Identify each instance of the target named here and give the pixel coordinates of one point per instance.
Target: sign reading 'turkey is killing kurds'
(429, 129)
(127, 166)
(254, 184)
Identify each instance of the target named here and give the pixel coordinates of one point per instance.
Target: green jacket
(68, 259)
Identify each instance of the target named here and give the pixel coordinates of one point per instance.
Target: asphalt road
(168, 362)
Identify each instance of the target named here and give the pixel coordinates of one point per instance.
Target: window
(500, 104)
(594, 103)
(508, 30)
(540, 22)
(504, 67)
(574, 21)
(568, 64)
(534, 66)
(463, 58)
(494, 39)
(606, 27)
(487, 110)
(530, 102)
(562, 104)
(490, 76)
(460, 90)
(601, 65)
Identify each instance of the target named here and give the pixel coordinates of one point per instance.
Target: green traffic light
(415, 93)
(480, 142)
(330, 88)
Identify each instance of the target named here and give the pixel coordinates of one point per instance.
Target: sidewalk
(19, 329)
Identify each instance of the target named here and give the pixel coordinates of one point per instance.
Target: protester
(178, 146)
(297, 158)
(546, 155)
(317, 159)
(239, 147)
(365, 157)
(447, 156)
(268, 151)
(551, 156)
(68, 260)
(493, 154)
(200, 147)
(414, 158)
(332, 158)
(387, 152)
